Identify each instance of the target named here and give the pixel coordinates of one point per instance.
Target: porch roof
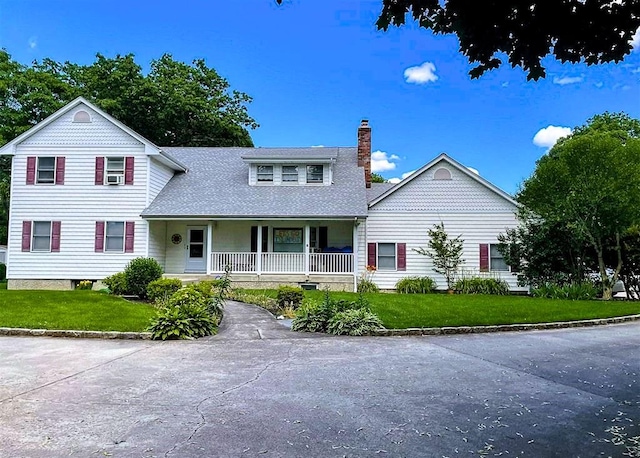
(217, 185)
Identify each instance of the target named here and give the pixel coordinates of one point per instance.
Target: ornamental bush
(186, 321)
(415, 285)
(289, 296)
(478, 285)
(572, 291)
(163, 288)
(117, 284)
(139, 273)
(354, 322)
(367, 286)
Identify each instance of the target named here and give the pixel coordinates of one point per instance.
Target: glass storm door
(196, 249)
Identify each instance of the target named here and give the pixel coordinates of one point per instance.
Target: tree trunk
(607, 291)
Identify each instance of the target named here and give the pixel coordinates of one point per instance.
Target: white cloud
(398, 180)
(472, 170)
(424, 73)
(635, 40)
(317, 146)
(599, 84)
(382, 162)
(32, 42)
(505, 84)
(567, 80)
(548, 136)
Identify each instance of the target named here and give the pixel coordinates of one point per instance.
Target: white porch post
(355, 255)
(259, 251)
(307, 234)
(209, 247)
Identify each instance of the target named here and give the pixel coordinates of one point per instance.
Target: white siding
(159, 176)
(79, 203)
(466, 207)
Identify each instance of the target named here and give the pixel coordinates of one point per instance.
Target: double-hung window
(41, 237)
(289, 173)
(497, 261)
(386, 256)
(114, 236)
(115, 170)
(265, 173)
(315, 174)
(46, 170)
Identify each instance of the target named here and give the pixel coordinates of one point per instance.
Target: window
(265, 173)
(290, 173)
(386, 256)
(115, 170)
(497, 261)
(442, 174)
(81, 116)
(114, 236)
(315, 174)
(41, 236)
(46, 170)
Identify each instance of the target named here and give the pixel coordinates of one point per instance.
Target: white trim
(453, 163)
(209, 250)
(10, 219)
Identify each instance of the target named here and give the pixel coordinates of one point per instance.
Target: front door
(196, 249)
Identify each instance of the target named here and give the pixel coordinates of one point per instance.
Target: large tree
(174, 104)
(589, 184)
(592, 31)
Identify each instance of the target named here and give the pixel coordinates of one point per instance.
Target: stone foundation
(252, 281)
(39, 284)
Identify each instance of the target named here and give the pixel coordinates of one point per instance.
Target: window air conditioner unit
(115, 179)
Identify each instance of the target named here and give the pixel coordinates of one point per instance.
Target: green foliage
(478, 285)
(220, 294)
(189, 320)
(117, 284)
(367, 286)
(377, 178)
(319, 316)
(189, 295)
(589, 183)
(573, 291)
(139, 273)
(523, 32)
(416, 285)
(289, 296)
(445, 253)
(163, 288)
(262, 300)
(354, 322)
(84, 285)
(3, 271)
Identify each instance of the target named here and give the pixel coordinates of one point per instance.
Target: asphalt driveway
(260, 390)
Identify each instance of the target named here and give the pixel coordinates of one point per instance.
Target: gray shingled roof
(217, 185)
(377, 189)
(292, 153)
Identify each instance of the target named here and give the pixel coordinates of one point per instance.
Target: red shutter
(484, 257)
(55, 236)
(99, 171)
(129, 236)
(31, 170)
(128, 170)
(402, 256)
(60, 169)
(26, 236)
(99, 242)
(372, 259)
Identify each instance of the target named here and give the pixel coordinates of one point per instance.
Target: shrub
(3, 271)
(262, 300)
(84, 285)
(573, 291)
(477, 285)
(367, 286)
(215, 305)
(289, 296)
(415, 285)
(355, 322)
(139, 273)
(188, 296)
(311, 317)
(117, 284)
(187, 321)
(163, 288)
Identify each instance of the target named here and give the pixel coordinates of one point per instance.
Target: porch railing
(282, 263)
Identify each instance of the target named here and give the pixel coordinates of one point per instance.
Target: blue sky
(315, 69)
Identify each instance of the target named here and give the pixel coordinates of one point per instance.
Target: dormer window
(315, 174)
(442, 174)
(81, 116)
(265, 173)
(289, 173)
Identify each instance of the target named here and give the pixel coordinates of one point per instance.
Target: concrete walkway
(250, 322)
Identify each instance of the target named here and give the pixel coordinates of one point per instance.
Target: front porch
(260, 253)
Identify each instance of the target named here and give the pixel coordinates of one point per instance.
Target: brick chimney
(364, 150)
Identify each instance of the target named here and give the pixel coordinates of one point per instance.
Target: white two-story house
(88, 194)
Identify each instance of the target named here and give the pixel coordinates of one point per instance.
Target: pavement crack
(75, 374)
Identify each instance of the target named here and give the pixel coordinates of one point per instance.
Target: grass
(399, 311)
(74, 310)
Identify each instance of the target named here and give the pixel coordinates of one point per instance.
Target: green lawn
(75, 310)
(434, 310)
